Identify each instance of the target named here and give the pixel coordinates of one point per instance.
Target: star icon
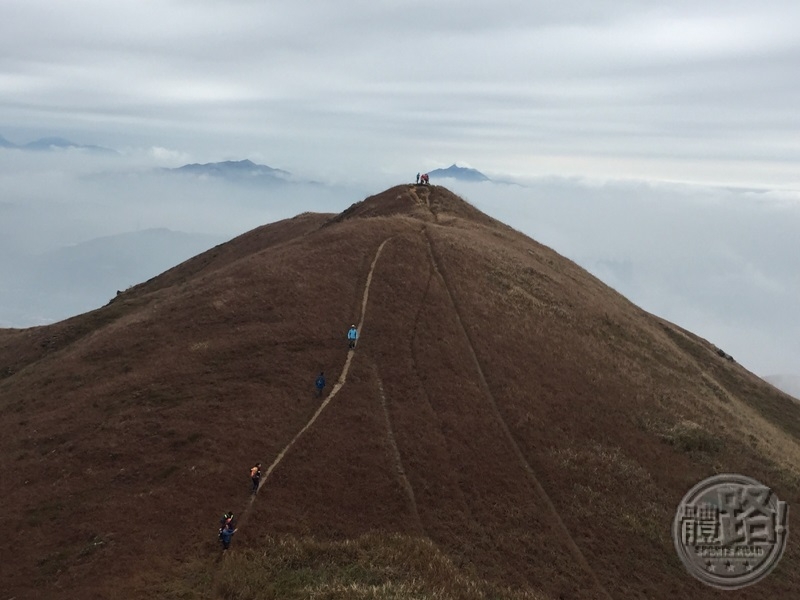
(729, 567)
(747, 566)
(711, 566)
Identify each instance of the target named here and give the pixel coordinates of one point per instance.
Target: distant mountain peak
(234, 169)
(52, 141)
(59, 143)
(460, 173)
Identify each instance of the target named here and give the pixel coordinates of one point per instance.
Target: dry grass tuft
(375, 566)
(689, 436)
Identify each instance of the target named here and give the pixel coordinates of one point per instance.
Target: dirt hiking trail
(338, 386)
(579, 557)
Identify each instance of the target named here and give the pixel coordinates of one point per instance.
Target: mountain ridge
(237, 170)
(497, 389)
(54, 143)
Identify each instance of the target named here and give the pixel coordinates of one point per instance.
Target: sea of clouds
(76, 227)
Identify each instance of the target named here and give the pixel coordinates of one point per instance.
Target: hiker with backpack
(255, 476)
(225, 521)
(320, 383)
(352, 336)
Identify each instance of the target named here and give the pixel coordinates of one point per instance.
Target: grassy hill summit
(507, 427)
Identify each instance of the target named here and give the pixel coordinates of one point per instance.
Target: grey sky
(703, 91)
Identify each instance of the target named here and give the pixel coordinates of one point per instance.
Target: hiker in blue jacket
(320, 383)
(225, 535)
(352, 336)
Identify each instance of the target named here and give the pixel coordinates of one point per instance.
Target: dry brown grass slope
(509, 427)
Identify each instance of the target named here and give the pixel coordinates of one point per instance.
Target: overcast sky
(685, 90)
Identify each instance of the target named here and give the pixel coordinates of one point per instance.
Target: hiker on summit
(417, 178)
(320, 383)
(225, 535)
(352, 336)
(255, 476)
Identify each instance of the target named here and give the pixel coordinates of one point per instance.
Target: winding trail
(426, 201)
(339, 383)
(336, 388)
(443, 441)
(541, 492)
(398, 462)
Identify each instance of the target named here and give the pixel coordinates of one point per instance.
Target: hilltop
(508, 425)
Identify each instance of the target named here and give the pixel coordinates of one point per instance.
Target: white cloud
(167, 156)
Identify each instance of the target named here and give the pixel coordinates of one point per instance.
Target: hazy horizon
(718, 261)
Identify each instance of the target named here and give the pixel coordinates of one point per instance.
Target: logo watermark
(730, 531)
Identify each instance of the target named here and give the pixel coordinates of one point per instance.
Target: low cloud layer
(720, 262)
(75, 227)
